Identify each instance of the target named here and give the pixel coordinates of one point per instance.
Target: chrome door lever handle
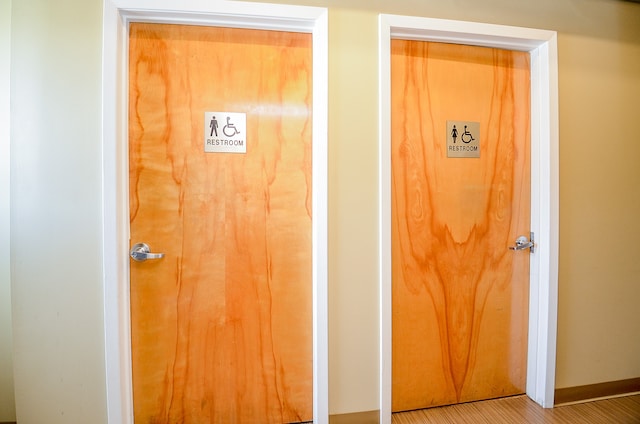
(523, 243)
(140, 252)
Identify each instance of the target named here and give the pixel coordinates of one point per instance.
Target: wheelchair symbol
(230, 129)
(466, 136)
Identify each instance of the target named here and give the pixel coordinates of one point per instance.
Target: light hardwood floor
(521, 409)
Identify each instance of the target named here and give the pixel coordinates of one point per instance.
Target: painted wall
(599, 325)
(56, 211)
(55, 203)
(7, 403)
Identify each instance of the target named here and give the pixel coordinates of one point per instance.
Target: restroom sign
(463, 139)
(225, 132)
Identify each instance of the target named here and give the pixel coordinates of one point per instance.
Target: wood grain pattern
(522, 410)
(222, 326)
(460, 297)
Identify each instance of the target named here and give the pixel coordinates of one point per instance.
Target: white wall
(56, 195)
(56, 211)
(7, 403)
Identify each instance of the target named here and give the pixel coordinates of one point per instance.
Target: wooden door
(460, 296)
(222, 325)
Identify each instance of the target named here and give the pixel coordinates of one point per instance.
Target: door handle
(141, 252)
(523, 243)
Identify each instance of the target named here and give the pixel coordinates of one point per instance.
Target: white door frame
(117, 15)
(543, 296)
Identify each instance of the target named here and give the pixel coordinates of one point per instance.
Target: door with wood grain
(460, 295)
(221, 326)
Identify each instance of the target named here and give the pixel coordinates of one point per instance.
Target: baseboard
(594, 391)
(368, 417)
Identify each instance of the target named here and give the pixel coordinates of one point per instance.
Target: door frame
(543, 293)
(117, 14)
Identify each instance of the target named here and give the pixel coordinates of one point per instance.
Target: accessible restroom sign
(463, 139)
(225, 132)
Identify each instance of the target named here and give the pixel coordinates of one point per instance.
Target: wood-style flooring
(522, 410)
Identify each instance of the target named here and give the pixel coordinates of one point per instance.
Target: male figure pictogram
(214, 126)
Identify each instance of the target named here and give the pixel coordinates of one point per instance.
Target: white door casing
(543, 295)
(117, 15)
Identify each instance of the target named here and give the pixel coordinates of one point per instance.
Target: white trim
(543, 298)
(117, 15)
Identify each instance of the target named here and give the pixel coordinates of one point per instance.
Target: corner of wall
(7, 398)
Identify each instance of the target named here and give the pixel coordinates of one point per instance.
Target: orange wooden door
(222, 325)
(460, 296)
